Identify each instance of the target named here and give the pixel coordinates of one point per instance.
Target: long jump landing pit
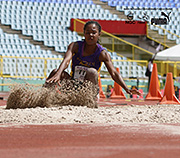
(118, 128)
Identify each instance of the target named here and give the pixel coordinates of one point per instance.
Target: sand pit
(66, 105)
(82, 114)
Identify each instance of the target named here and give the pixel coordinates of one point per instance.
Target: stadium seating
(47, 21)
(152, 8)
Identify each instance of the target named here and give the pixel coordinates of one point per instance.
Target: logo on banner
(131, 20)
(161, 21)
(144, 17)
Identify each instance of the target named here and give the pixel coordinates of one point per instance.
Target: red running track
(90, 141)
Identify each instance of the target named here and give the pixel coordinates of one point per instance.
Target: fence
(167, 35)
(39, 68)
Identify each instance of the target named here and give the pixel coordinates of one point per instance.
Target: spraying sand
(69, 92)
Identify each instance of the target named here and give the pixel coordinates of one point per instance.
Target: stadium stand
(48, 21)
(152, 9)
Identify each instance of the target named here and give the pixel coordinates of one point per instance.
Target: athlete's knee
(92, 71)
(65, 75)
(92, 75)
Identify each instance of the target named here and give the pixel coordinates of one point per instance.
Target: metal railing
(163, 66)
(165, 32)
(15, 61)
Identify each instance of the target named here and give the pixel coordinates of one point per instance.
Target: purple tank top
(87, 61)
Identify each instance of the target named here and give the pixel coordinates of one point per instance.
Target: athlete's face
(91, 34)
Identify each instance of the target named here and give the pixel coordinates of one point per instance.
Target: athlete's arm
(64, 64)
(105, 57)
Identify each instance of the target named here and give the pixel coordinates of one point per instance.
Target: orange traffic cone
(101, 93)
(117, 91)
(169, 93)
(154, 89)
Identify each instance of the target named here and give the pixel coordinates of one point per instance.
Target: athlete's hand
(54, 79)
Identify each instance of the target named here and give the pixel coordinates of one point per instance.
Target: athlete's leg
(92, 75)
(65, 75)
